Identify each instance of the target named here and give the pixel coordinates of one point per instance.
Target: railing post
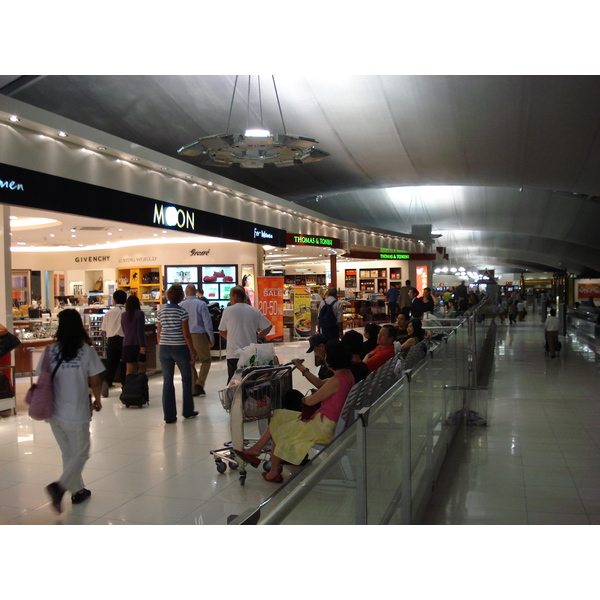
(406, 498)
(361, 467)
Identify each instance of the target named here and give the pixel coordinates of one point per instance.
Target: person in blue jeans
(175, 347)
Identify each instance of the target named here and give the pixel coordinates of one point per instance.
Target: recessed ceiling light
(73, 235)
(62, 134)
(14, 119)
(110, 233)
(120, 229)
(22, 243)
(73, 229)
(101, 147)
(135, 159)
(51, 235)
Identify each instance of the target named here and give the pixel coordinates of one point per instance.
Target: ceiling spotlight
(14, 119)
(256, 147)
(62, 134)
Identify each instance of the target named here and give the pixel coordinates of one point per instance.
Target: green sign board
(389, 254)
(312, 240)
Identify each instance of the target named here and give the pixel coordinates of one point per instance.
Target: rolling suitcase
(135, 390)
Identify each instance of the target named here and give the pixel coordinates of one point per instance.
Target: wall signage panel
(269, 296)
(24, 187)
(296, 239)
(391, 255)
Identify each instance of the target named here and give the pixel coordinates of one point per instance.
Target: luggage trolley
(254, 398)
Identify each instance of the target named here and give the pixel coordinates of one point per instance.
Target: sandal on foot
(248, 458)
(277, 479)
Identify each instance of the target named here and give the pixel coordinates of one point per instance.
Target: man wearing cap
(317, 344)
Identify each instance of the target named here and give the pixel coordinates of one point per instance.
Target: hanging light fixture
(256, 146)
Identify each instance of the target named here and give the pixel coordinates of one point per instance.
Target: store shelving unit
(21, 286)
(143, 282)
(92, 318)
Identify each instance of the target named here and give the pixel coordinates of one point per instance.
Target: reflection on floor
(538, 460)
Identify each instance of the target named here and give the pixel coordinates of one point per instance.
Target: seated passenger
(385, 349)
(415, 335)
(371, 331)
(316, 344)
(354, 340)
(401, 325)
(292, 437)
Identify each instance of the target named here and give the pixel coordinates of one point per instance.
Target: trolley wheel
(221, 466)
(233, 465)
(242, 479)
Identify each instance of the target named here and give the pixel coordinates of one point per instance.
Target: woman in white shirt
(79, 367)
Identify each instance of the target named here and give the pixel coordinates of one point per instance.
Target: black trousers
(231, 367)
(115, 369)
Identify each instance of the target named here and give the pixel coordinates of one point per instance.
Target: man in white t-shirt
(241, 325)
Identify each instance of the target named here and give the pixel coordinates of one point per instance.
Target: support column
(6, 317)
(333, 267)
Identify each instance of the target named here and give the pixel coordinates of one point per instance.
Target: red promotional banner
(269, 300)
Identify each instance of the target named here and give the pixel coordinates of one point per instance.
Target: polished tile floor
(141, 471)
(538, 459)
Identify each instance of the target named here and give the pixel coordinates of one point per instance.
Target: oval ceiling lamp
(257, 146)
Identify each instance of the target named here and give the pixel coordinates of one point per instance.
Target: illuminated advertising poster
(421, 278)
(269, 297)
(302, 315)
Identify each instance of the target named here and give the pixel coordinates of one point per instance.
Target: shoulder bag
(8, 342)
(40, 396)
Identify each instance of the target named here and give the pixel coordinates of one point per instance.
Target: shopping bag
(40, 396)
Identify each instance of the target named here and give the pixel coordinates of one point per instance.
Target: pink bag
(40, 396)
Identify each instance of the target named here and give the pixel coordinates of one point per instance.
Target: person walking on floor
(551, 327)
(203, 337)
(241, 325)
(111, 325)
(133, 323)
(77, 367)
(392, 298)
(404, 296)
(331, 316)
(175, 347)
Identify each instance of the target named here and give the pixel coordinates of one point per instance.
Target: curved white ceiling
(482, 139)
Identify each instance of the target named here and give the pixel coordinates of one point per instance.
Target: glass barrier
(381, 469)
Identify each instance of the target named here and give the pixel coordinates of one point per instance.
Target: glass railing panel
(387, 449)
(421, 432)
(322, 493)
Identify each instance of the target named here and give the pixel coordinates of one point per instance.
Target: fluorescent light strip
(124, 244)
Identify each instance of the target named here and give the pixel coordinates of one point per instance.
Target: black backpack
(327, 317)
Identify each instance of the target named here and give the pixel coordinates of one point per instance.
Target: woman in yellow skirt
(293, 437)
